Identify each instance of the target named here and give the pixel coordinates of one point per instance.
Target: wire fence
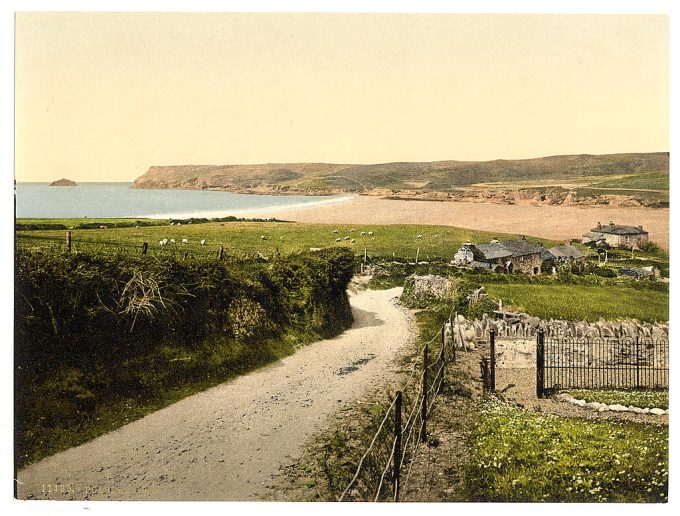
(409, 410)
(170, 249)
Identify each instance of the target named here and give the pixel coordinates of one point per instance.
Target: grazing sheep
(370, 233)
(179, 223)
(351, 230)
(338, 239)
(202, 242)
(419, 236)
(334, 231)
(352, 241)
(163, 242)
(363, 233)
(346, 238)
(185, 241)
(262, 237)
(102, 227)
(172, 223)
(136, 227)
(172, 240)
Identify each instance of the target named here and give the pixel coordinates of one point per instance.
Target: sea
(119, 200)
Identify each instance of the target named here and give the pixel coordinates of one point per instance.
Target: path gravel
(228, 442)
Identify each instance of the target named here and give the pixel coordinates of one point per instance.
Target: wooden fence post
(540, 363)
(637, 360)
(423, 414)
(492, 359)
(68, 241)
(145, 248)
(442, 361)
(453, 342)
(396, 475)
(220, 253)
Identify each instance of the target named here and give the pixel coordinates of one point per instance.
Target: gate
(622, 363)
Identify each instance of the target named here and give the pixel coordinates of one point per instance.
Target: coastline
(542, 221)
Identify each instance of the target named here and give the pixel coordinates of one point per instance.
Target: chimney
(611, 223)
(599, 226)
(567, 241)
(640, 228)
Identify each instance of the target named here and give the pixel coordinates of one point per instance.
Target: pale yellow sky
(104, 96)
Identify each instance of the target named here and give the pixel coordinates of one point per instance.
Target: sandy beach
(554, 222)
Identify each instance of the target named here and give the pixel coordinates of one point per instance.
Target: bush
(91, 331)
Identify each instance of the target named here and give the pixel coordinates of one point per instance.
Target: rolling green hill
(435, 176)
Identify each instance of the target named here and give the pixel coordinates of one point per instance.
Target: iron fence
(622, 363)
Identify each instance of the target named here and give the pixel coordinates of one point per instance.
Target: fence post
(423, 414)
(220, 253)
(637, 360)
(540, 363)
(145, 248)
(492, 359)
(442, 361)
(68, 241)
(397, 448)
(453, 341)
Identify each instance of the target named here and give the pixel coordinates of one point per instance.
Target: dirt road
(227, 442)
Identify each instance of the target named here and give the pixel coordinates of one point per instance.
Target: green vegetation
(422, 176)
(245, 238)
(642, 398)
(521, 457)
(101, 340)
(579, 302)
(649, 181)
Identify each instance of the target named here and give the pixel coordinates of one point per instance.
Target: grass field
(579, 302)
(648, 180)
(522, 457)
(247, 237)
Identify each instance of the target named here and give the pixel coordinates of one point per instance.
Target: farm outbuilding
(616, 235)
(502, 256)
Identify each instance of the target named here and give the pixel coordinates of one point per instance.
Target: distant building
(616, 235)
(502, 256)
(563, 253)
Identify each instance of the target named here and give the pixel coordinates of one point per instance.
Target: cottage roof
(618, 229)
(494, 250)
(566, 251)
(508, 248)
(547, 255)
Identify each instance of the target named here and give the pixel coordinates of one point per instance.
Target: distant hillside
(393, 178)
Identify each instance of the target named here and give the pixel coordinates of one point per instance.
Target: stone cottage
(502, 256)
(616, 235)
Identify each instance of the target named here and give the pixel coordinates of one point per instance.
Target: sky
(104, 96)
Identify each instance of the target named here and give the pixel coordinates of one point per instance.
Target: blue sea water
(39, 200)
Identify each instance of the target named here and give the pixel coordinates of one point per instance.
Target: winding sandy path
(226, 443)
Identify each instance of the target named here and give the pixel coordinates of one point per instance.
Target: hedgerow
(93, 332)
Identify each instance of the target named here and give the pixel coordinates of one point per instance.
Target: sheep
(102, 227)
(136, 227)
(203, 242)
(370, 233)
(351, 230)
(334, 231)
(179, 223)
(338, 239)
(185, 241)
(346, 238)
(363, 233)
(163, 242)
(172, 223)
(172, 240)
(352, 241)
(419, 236)
(262, 237)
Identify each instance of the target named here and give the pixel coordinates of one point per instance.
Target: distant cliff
(439, 180)
(63, 182)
